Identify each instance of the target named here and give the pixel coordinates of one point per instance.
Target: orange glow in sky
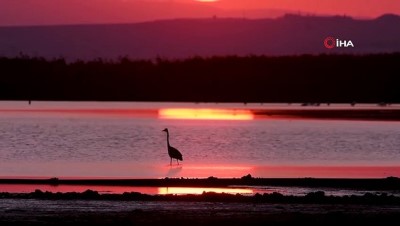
(205, 114)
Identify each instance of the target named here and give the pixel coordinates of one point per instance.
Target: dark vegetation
(307, 78)
(317, 197)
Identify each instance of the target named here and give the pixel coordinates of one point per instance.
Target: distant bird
(172, 152)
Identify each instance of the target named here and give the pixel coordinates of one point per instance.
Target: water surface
(124, 140)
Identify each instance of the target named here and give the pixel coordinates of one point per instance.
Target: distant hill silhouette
(181, 38)
(51, 12)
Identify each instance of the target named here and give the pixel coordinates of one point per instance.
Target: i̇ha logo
(331, 42)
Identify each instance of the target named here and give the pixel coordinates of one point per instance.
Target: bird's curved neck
(168, 139)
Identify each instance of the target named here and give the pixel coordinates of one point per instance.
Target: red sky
(32, 12)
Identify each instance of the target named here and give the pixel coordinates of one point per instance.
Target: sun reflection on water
(205, 114)
(190, 190)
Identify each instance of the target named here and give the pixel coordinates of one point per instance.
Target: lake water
(124, 140)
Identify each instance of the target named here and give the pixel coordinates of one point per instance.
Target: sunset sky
(37, 12)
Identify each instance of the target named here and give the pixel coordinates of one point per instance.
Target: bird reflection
(174, 171)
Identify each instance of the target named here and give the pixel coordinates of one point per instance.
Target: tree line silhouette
(306, 78)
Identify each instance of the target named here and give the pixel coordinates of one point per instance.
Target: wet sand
(105, 213)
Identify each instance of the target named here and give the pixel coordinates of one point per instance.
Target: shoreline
(380, 114)
(370, 113)
(381, 184)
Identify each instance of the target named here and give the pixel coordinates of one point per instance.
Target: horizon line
(212, 17)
